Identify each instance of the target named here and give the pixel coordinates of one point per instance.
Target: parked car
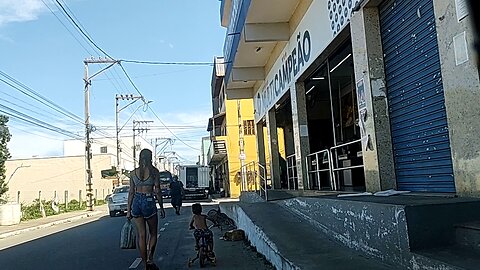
(117, 201)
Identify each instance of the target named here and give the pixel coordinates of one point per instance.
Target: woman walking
(144, 187)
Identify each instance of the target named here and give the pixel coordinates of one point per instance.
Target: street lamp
(14, 171)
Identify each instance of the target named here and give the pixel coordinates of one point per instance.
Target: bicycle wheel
(212, 214)
(203, 256)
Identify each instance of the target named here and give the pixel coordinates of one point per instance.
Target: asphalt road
(93, 243)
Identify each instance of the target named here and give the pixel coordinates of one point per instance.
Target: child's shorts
(144, 205)
(206, 232)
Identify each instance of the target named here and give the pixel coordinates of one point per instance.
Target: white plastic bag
(128, 237)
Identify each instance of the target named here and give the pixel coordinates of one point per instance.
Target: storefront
(310, 93)
(369, 95)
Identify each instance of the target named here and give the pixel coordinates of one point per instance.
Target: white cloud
(20, 10)
(170, 45)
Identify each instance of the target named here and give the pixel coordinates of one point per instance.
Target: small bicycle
(204, 254)
(221, 220)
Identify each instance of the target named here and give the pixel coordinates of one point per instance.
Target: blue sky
(37, 50)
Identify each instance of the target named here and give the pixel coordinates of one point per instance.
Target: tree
(4, 153)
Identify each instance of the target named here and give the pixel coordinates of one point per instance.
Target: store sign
(291, 65)
(311, 37)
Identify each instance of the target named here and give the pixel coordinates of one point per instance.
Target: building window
(248, 127)
(103, 150)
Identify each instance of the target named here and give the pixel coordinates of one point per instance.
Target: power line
(21, 116)
(32, 105)
(81, 30)
(36, 96)
(168, 63)
(22, 107)
(170, 130)
(32, 133)
(75, 37)
(130, 79)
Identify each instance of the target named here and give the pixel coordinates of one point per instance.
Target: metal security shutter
(421, 145)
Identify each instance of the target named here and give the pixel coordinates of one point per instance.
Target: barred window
(103, 150)
(248, 127)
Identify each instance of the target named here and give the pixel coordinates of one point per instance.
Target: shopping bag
(128, 236)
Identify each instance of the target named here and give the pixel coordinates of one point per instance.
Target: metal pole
(242, 146)
(332, 174)
(134, 146)
(118, 140)
(87, 140)
(155, 152)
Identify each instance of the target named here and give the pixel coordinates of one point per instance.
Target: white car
(117, 201)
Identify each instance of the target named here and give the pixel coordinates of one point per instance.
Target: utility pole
(140, 129)
(117, 129)
(156, 144)
(241, 144)
(88, 128)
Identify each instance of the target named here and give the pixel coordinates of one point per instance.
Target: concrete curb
(258, 238)
(50, 224)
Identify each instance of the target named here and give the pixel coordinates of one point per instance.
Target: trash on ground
(354, 194)
(390, 192)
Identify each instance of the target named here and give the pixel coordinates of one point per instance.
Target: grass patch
(32, 211)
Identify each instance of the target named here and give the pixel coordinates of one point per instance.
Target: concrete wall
(369, 66)
(385, 231)
(76, 148)
(357, 225)
(58, 174)
(462, 97)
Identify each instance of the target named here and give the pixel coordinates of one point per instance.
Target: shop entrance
(335, 162)
(288, 174)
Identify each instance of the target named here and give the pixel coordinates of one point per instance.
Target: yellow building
(232, 123)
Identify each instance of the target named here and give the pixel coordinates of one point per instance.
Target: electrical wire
(22, 88)
(130, 79)
(75, 37)
(170, 130)
(21, 116)
(168, 63)
(81, 30)
(32, 105)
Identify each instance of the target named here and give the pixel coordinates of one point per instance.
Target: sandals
(152, 266)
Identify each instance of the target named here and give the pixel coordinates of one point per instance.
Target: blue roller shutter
(416, 101)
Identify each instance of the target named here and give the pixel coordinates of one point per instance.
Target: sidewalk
(30, 225)
(291, 243)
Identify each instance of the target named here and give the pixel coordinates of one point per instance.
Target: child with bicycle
(199, 224)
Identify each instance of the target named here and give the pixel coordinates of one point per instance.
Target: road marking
(166, 224)
(162, 229)
(135, 263)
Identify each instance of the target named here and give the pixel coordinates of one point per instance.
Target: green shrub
(32, 211)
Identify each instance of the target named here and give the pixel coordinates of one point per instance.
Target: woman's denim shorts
(144, 205)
